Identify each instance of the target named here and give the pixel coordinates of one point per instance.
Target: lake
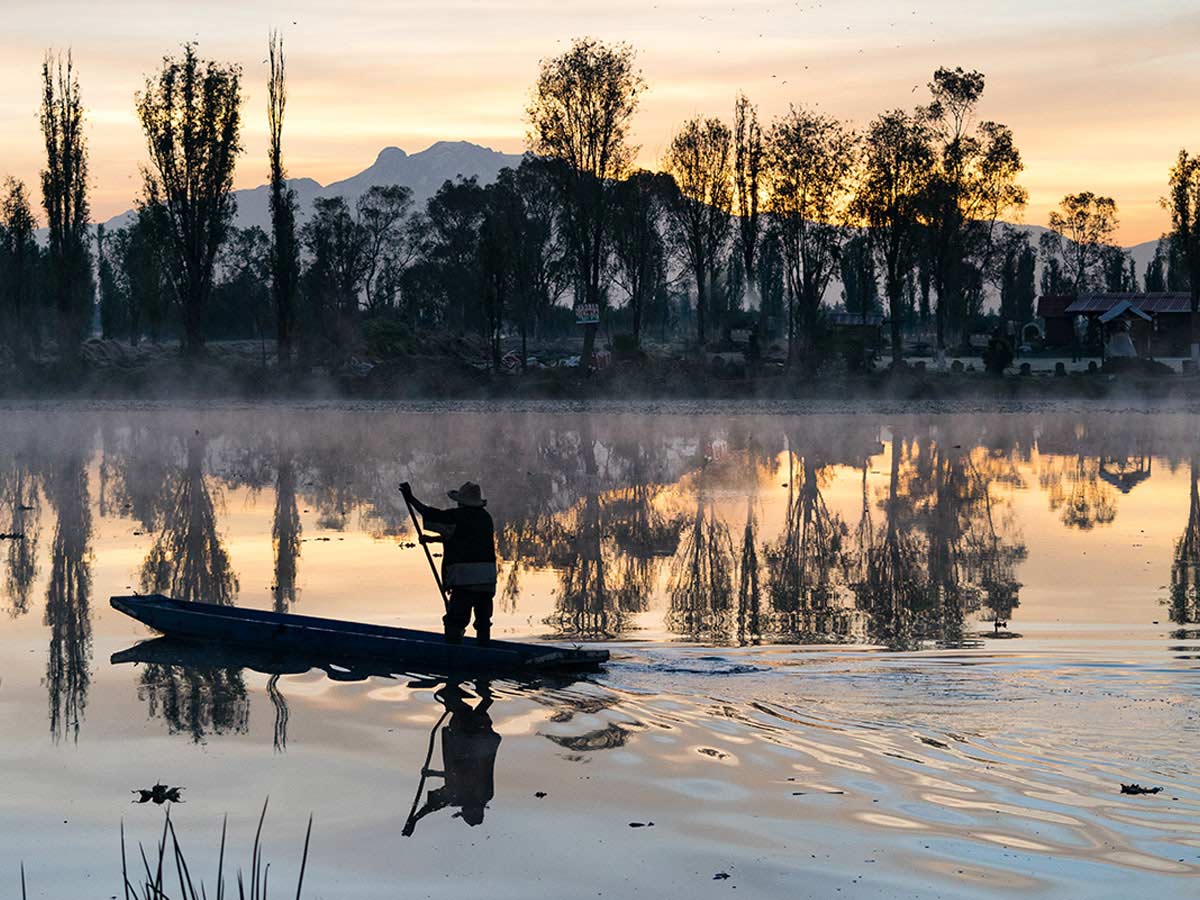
(853, 655)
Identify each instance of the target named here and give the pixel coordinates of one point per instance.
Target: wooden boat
(336, 639)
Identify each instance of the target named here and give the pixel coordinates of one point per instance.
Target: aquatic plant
(152, 884)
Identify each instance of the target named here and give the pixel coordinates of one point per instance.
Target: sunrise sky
(1100, 94)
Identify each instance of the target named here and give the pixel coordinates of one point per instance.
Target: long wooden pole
(428, 555)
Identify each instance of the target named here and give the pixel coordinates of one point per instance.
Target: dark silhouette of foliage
(811, 160)
(1080, 230)
(20, 267)
(748, 153)
(700, 160)
(191, 115)
(860, 287)
(333, 279)
(285, 251)
(579, 115)
(972, 184)
(1018, 290)
(64, 197)
(639, 249)
(897, 161)
(1183, 203)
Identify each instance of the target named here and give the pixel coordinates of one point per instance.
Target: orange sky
(1100, 94)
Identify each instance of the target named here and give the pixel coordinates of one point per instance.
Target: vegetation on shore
(746, 227)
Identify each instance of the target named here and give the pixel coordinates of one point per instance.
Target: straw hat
(468, 495)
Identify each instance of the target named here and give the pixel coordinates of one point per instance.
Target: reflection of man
(469, 562)
(469, 745)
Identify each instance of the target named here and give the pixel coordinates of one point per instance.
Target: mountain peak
(389, 156)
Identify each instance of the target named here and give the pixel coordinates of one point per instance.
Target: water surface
(853, 655)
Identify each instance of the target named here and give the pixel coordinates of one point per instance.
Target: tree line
(745, 221)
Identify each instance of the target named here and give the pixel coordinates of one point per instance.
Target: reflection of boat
(336, 639)
(167, 651)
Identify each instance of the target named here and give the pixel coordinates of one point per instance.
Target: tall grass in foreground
(155, 881)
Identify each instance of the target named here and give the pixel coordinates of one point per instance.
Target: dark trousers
(462, 604)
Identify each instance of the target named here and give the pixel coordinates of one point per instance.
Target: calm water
(853, 655)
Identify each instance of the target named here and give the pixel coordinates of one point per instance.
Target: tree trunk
(701, 303)
(589, 343)
(895, 304)
(193, 323)
(636, 309)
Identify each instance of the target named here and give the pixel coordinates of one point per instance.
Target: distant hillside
(422, 172)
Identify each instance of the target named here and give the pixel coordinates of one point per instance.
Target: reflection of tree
(22, 500)
(700, 594)
(608, 548)
(281, 712)
(69, 593)
(196, 701)
(945, 551)
(749, 598)
(807, 564)
(1076, 492)
(1184, 598)
(285, 533)
(642, 539)
(584, 605)
(891, 569)
(135, 471)
(188, 560)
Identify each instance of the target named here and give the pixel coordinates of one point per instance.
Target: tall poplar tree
(285, 257)
(64, 197)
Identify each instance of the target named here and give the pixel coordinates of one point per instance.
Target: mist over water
(916, 654)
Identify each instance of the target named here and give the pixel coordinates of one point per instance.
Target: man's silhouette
(469, 560)
(469, 745)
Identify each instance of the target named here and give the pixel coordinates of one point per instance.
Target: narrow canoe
(333, 638)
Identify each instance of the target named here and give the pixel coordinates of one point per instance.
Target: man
(468, 561)
(469, 745)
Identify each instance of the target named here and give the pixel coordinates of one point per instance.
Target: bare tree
(579, 114)
(64, 197)
(699, 158)
(811, 160)
(191, 115)
(285, 256)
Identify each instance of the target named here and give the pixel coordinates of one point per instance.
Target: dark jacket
(469, 537)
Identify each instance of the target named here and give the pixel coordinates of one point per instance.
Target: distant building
(1160, 321)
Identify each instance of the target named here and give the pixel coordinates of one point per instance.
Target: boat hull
(286, 632)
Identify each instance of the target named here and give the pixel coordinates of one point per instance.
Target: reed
(155, 879)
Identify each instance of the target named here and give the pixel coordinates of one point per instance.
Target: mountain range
(423, 173)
